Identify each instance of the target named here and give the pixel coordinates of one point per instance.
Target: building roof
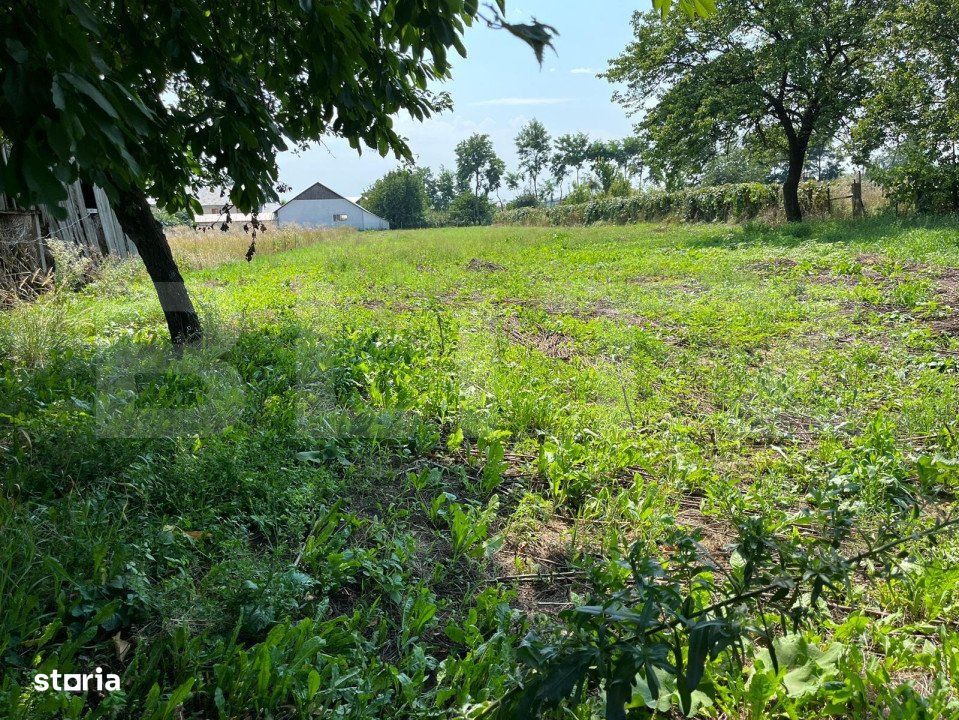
(213, 196)
(319, 191)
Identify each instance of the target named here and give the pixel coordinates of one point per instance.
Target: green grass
(404, 417)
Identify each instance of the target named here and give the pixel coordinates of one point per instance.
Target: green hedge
(705, 204)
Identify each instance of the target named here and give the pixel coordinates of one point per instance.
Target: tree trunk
(137, 221)
(858, 209)
(797, 158)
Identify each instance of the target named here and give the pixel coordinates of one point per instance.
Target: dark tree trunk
(797, 158)
(137, 221)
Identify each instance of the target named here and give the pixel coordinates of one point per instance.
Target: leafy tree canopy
(572, 151)
(399, 197)
(478, 168)
(441, 189)
(167, 96)
(909, 133)
(533, 146)
(784, 73)
(163, 98)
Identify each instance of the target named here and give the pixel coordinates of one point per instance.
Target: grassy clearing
(424, 412)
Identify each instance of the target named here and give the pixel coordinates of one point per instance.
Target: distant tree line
(774, 92)
(548, 171)
(571, 168)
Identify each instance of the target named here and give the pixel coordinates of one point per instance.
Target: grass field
(427, 443)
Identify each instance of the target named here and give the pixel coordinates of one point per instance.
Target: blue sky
(496, 89)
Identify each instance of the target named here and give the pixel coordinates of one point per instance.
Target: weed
(413, 470)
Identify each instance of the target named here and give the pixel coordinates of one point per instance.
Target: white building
(318, 206)
(215, 203)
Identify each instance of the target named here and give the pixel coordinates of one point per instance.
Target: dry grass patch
(198, 249)
(551, 343)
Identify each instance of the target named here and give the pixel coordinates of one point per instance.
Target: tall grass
(197, 249)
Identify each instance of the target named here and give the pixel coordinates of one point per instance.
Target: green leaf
(17, 51)
(314, 456)
(563, 676)
(178, 697)
(313, 682)
(91, 92)
(700, 641)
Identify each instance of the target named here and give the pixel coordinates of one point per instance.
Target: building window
(340, 217)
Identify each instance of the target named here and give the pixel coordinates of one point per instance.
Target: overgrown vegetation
(461, 460)
(739, 202)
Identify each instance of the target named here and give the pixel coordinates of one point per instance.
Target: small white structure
(318, 206)
(217, 205)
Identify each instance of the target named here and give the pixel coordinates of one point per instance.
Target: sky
(496, 89)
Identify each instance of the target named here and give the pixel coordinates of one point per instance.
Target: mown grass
(414, 415)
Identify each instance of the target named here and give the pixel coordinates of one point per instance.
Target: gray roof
(318, 191)
(213, 196)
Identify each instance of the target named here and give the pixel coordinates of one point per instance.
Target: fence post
(858, 209)
(41, 248)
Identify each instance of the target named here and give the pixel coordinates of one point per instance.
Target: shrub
(523, 201)
(71, 268)
(915, 185)
(437, 218)
(470, 209)
(580, 193)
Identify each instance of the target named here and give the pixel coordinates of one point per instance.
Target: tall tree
(909, 135)
(824, 162)
(533, 145)
(787, 72)
(630, 157)
(573, 151)
(558, 170)
(477, 166)
(428, 181)
(444, 189)
(160, 98)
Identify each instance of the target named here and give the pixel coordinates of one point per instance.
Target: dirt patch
(553, 344)
(946, 319)
(602, 309)
(947, 286)
(717, 535)
(477, 265)
(684, 285)
(537, 566)
(815, 276)
(947, 326)
(773, 266)
(378, 304)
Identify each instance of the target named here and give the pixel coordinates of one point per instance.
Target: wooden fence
(90, 225)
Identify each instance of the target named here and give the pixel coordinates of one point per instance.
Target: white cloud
(582, 71)
(516, 101)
